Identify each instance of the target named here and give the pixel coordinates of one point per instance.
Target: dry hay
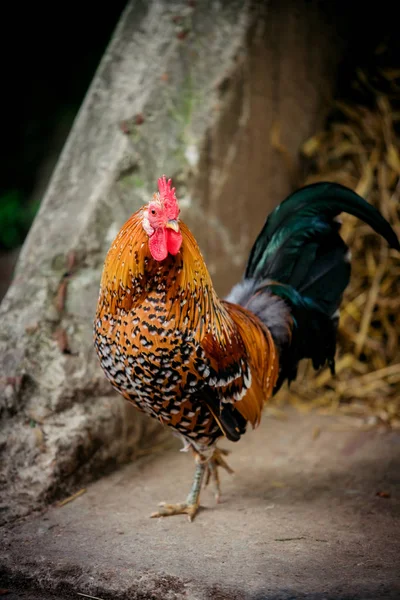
(360, 148)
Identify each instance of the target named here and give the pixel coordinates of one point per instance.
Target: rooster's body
(204, 366)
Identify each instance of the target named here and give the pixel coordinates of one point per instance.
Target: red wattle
(174, 241)
(158, 244)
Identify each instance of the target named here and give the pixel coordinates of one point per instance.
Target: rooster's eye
(153, 211)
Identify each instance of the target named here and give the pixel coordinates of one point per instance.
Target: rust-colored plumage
(205, 366)
(169, 345)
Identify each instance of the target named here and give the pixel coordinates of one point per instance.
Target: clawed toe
(167, 510)
(207, 467)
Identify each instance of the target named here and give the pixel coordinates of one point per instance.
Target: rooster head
(161, 221)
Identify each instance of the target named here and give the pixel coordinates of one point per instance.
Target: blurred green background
(50, 55)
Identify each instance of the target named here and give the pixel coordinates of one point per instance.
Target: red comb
(168, 198)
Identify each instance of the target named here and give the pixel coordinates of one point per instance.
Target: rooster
(205, 366)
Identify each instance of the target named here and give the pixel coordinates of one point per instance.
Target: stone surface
(57, 410)
(218, 95)
(300, 518)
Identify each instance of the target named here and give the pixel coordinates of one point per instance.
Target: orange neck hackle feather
(129, 265)
(128, 276)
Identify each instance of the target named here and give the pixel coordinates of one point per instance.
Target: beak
(172, 224)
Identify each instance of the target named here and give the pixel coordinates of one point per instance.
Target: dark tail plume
(299, 258)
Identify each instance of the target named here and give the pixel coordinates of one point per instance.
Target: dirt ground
(312, 511)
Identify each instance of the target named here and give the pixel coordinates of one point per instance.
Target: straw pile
(360, 148)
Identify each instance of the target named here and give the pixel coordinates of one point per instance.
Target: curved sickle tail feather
(298, 270)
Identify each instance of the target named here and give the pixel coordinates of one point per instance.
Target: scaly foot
(204, 466)
(167, 510)
(191, 506)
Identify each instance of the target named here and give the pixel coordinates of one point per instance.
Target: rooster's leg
(216, 461)
(204, 466)
(191, 506)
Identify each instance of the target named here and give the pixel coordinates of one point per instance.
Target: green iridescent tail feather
(300, 257)
(302, 229)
